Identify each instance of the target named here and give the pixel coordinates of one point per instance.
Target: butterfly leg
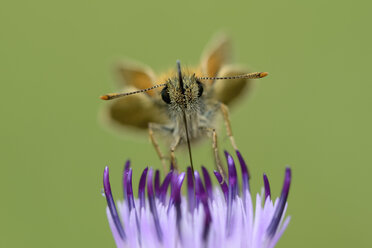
(172, 149)
(152, 127)
(217, 158)
(225, 114)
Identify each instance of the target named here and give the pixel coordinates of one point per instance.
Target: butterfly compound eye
(200, 89)
(165, 95)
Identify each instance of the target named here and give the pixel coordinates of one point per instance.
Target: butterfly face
(186, 95)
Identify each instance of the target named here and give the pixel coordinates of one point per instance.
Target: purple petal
(222, 183)
(199, 188)
(118, 240)
(125, 175)
(233, 178)
(245, 173)
(271, 230)
(131, 204)
(174, 181)
(153, 209)
(202, 196)
(190, 190)
(157, 183)
(267, 186)
(141, 188)
(208, 183)
(176, 192)
(164, 187)
(130, 198)
(280, 232)
(127, 165)
(177, 203)
(207, 220)
(111, 203)
(230, 200)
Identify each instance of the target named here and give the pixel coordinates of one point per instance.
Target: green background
(313, 112)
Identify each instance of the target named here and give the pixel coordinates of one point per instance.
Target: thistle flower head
(223, 216)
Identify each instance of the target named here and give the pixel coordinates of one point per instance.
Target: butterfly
(180, 104)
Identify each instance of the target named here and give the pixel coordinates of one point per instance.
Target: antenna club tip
(105, 97)
(263, 74)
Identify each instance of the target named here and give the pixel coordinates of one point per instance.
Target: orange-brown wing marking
(138, 76)
(227, 91)
(216, 54)
(134, 111)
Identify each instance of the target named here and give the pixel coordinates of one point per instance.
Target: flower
(206, 217)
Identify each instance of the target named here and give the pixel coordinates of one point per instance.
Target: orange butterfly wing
(214, 63)
(136, 110)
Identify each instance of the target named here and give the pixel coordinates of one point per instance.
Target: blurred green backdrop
(313, 112)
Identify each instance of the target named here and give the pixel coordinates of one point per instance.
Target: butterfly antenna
(184, 116)
(117, 95)
(252, 75)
